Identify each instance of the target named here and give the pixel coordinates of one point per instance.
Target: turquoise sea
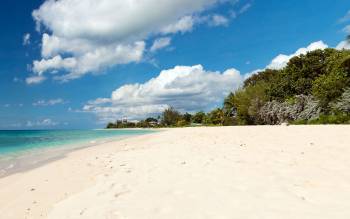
(25, 148)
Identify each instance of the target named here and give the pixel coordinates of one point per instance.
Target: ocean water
(21, 150)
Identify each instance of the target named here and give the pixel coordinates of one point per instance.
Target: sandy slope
(225, 172)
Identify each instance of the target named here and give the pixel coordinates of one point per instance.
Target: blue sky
(203, 52)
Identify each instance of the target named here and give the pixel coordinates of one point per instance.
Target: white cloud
(345, 18)
(234, 14)
(183, 25)
(160, 43)
(101, 34)
(218, 20)
(187, 23)
(49, 102)
(53, 63)
(187, 88)
(245, 8)
(41, 123)
(35, 79)
(343, 45)
(90, 61)
(98, 19)
(282, 60)
(347, 29)
(26, 39)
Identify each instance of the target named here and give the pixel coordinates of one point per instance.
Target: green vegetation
(312, 89)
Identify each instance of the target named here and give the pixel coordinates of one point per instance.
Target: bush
(111, 126)
(328, 88)
(338, 118)
(343, 103)
(248, 102)
(187, 118)
(198, 117)
(216, 117)
(182, 123)
(300, 108)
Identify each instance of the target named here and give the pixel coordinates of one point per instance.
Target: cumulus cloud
(187, 88)
(343, 45)
(101, 34)
(51, 102)
(282, 60)
(26, 39)
(53, 63)
(93, 61)
(98, 19)
(160, 43)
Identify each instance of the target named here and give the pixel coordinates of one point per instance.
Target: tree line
(312, 89)
(173, 118)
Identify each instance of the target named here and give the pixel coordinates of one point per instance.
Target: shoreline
(34, 158)
(69, 175)
(247, 171)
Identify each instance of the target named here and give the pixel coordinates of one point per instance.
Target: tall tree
(170, 117)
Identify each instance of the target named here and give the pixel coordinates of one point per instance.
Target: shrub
(301, 107)
(248, 102)
(329, 87)
(198, 117)
(343, 103)
(216, 117)
(337, 118)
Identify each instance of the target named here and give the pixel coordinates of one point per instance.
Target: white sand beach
(219, 172)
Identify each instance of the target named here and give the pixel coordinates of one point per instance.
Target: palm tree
(229, 105)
